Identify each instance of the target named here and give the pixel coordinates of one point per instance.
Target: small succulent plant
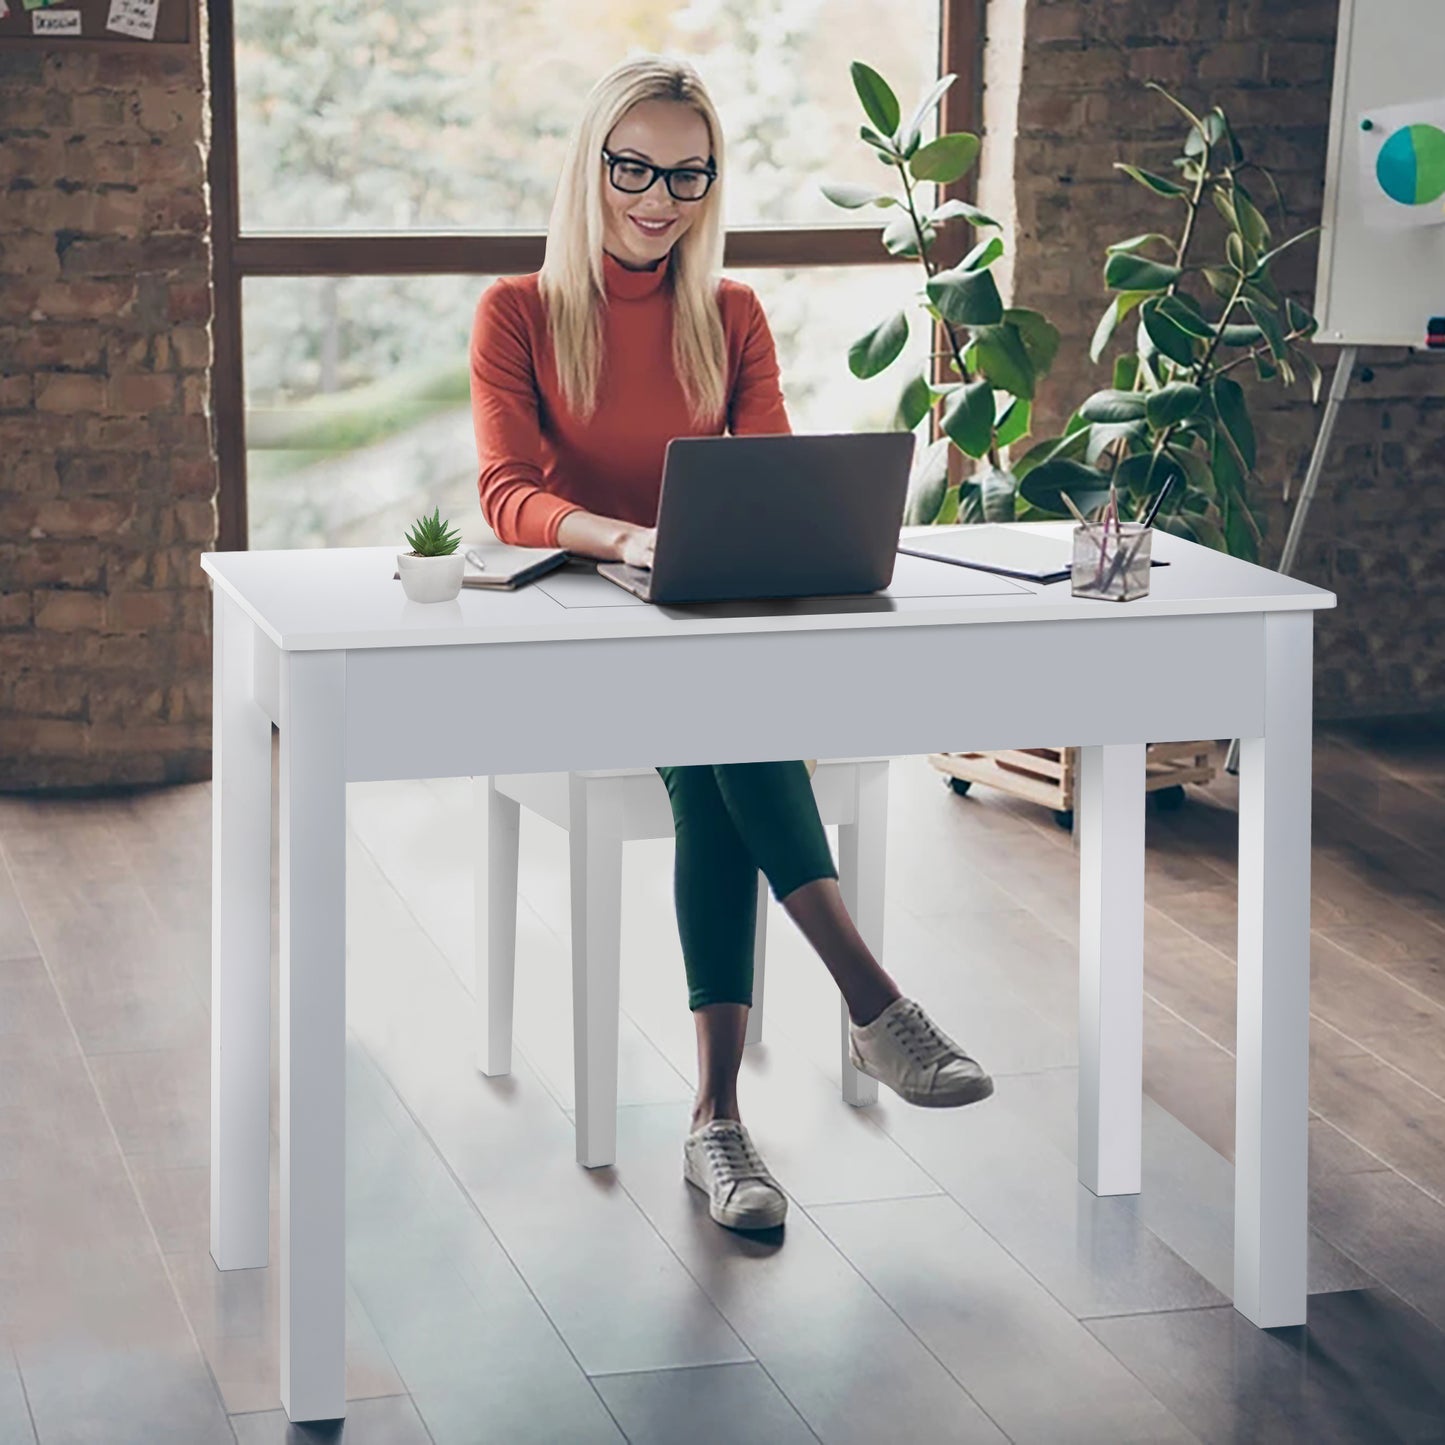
(433, 537)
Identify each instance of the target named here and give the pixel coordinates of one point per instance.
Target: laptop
(757, 517)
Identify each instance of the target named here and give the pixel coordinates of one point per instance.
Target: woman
(580, 376)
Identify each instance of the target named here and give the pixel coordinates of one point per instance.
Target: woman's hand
(637, 546)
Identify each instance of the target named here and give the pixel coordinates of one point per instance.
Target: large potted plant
(1176, 416)
(995, 354)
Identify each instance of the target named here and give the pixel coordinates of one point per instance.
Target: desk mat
(578, 585)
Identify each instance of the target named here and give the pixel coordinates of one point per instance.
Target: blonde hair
(571, 281)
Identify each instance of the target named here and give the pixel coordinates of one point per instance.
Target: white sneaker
(906, 1050)
(720, 1159)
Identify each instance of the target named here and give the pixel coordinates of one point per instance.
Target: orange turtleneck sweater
(539, 461)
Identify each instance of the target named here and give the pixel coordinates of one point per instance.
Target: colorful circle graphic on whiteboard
(1411, 165)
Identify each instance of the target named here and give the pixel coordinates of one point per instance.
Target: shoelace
(919, 1037)
(733, 1158)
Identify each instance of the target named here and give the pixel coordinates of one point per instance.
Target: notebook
(506, 566)
(1011, 551)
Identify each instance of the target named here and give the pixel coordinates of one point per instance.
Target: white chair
(602, 809)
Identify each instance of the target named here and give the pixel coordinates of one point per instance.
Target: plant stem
(930, 270)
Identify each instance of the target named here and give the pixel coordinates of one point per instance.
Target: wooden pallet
(1046, 775)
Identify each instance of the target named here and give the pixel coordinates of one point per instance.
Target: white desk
(366, 685)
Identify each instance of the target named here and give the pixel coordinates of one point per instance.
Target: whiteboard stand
(1339, 385)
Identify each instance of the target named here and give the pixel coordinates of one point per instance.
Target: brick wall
(107, 472)
(1376, 532)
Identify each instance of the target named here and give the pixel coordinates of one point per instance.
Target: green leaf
(948, 512)
(927, 485)
(1144, 475)
(1252, 225)
(946, 159)
(880, 348)
(1124, 272)
(1126, 371)
(1284, 246)
(966, 298)
(1308, 365)
(1267, 319)
(880, 143)
(1239, 335)
(1229, 406)
(1240, 254)
(914, 403)
(1195, 468)
(983, 254)
(1040, 336)
(1173, 403)
(1114, 313)
(1186, 317)
(998, 494)
(1071, 445)
(1166, 334)
(968, 418)
(1111, 406)
(900, 239)
(1105, 434)
(1160, 185)
(1134, 243)
(851, 197)
(1300, 319)
(1177, 104)
(1012, 422)
(925, 107)
(879, 102)
(1222, 283)
(1003, 357)
(1045, 484)
(955, 210)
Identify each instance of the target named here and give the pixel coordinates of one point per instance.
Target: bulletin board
(95, 24)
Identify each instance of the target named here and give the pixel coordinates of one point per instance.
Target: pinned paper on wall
(1402, 164)
(55, 22)
(134, 17)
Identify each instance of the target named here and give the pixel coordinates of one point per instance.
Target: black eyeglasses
(684, 183)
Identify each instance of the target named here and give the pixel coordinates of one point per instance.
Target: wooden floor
(943, 1276)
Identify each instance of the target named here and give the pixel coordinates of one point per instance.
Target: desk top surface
(311, 599)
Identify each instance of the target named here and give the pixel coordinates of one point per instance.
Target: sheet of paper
(55, 22)
(1402, 164)
(134, 17)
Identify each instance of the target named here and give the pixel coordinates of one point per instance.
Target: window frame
(236, 256)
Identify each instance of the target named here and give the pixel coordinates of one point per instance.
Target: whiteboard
(1378, 287)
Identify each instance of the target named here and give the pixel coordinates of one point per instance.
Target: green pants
(732, 820)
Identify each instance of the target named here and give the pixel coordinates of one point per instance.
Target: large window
(375, 167)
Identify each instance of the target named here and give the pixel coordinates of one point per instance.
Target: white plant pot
(431, 579)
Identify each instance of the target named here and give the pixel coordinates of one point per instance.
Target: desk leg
(313, 1035)
(594, 837)
(1272, 1059)
(1109, 814)
(240, 949)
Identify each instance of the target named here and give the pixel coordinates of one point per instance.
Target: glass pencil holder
(1111, 562)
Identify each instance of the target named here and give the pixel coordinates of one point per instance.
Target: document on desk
(1009, 551)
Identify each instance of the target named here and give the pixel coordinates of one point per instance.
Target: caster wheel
(1168, 800)
(960, 786)
(1064, 817)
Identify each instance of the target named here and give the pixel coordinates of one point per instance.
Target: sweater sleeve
(517, 507)
(756, 406)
